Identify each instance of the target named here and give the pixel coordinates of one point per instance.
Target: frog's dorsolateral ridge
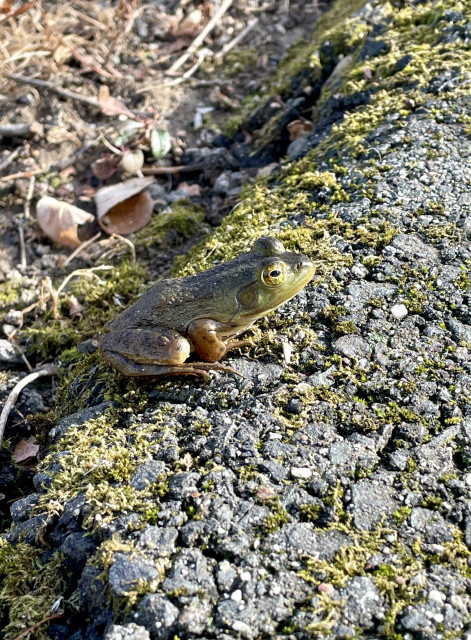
(202, 313)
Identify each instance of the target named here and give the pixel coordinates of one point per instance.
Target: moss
(236, 61)
(310, 512)
(345, 328)
(432, 502)
(9, 293)
(278, 517)
(183, 218)
(401, 515)
(103, 297)
(29, 587)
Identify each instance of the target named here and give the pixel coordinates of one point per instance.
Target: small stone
(128, 632)
(245, 576)
(325, 587)
(88, 346)
(352, 346)
(399, 311)
(8, 329)
(241, 627)
(301, 472)
(438, 617)
(236, 595)
(8, 353)
(158, 615)
(436, 596)
(13, 317)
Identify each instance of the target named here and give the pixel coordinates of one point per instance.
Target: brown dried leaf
(60, 220)
(128, 216)
(298, 128)
(112, 106)
(105, 167)
(25, 450)
(190, 26)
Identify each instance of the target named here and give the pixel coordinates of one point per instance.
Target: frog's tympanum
(203, 313)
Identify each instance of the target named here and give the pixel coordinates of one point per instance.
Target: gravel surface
(329, 498)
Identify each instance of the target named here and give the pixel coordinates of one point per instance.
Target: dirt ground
(95, 94)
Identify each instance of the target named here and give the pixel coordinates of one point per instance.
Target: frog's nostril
(303, 265)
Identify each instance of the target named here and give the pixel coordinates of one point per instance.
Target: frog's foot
(146, 370)
(239, 343)
(211, 366)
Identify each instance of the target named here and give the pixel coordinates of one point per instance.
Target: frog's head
(278, 276)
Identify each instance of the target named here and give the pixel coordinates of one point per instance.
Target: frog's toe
(215, 366)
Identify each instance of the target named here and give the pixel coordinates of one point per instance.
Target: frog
(203, 314)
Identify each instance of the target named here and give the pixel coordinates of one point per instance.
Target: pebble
(241, 627)
(399, 311)
(436, 596)
(301, 472)
(236, 595)
(8, 353)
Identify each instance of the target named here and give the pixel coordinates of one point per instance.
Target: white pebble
(245, 576)
(436, 596)
(399, 311)
(240, 626)
(236, 595)
(438, 617)
(301, 472)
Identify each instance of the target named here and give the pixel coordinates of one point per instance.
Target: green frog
(203, 313)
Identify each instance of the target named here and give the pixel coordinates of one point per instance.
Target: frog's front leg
(209, 338)
(151, 353)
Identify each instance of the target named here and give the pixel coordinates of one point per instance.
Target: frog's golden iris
(203, 313)
(274, 274)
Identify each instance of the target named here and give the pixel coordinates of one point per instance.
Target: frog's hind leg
(145, 370)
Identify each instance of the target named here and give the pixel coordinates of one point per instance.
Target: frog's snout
(304, 264)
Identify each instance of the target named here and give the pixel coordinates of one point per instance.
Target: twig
(235, 41)
(129, 243)
(14, 154)
(21, 234)
(16, 12)
(18, 130)
(179, 168)
(47, 370)
(83, 246)
(43, 84)
(22, 174)
(29, 196)
(36, 626)
(198, 41)
(201, 56)
(110, 146)
(83, 272)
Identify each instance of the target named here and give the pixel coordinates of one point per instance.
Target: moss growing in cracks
(304, 207)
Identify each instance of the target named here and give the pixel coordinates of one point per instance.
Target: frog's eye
(273, 274)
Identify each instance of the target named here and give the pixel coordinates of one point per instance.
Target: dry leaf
(190, 26)
(112, 106)
(75, 308)
(367, 73)
(60, 220)
(124, 208)
(299, 128)
(25, 450)
(105, 167)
